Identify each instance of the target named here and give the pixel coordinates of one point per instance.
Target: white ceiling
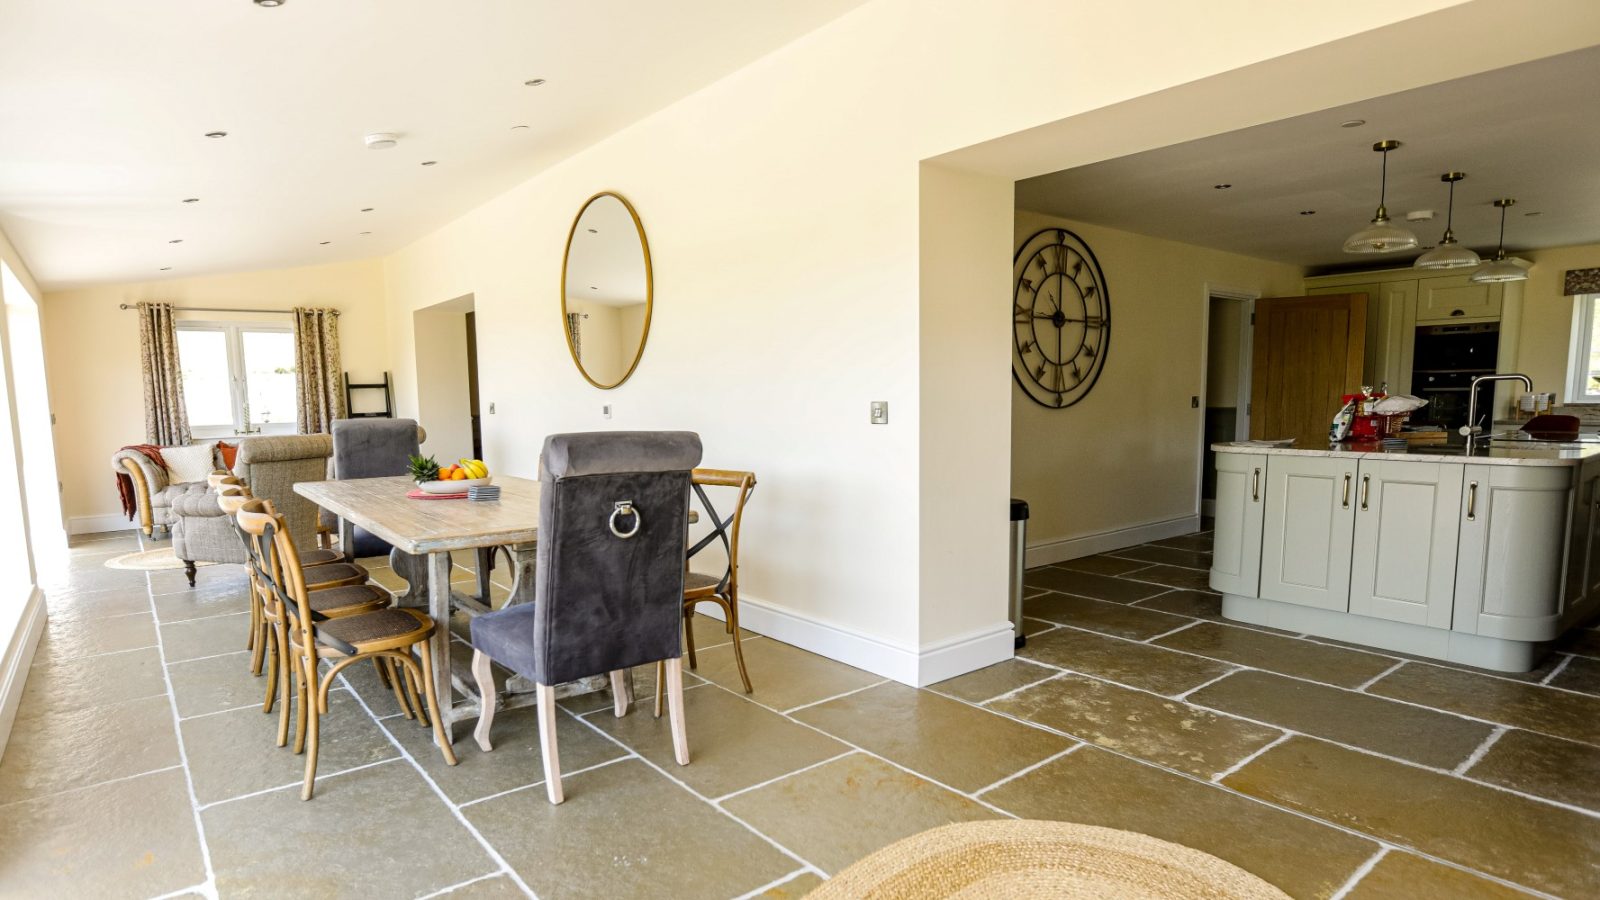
(1531, 132)
(104, 104)
(605, 262)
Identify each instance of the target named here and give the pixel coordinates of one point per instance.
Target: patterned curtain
(1582, 281)
(316, 358)
(166, 419)
(575, 329)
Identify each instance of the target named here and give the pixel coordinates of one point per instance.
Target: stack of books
(484, 492)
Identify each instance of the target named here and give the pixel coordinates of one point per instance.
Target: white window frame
(1578, 355)
(237, 388)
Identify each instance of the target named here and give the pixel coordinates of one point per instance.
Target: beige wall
(92, 351)
(790, 229)
(1544, 346)
(1128, 454)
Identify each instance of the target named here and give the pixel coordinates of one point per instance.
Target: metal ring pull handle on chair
(625, 508)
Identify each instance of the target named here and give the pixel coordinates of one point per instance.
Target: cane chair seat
(394, 625)
(321, 557)
(333, 575)
(697, 583)
(348, 599)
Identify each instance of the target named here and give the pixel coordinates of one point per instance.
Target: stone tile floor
(140, 764)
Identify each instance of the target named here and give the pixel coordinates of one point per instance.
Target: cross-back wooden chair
(722, 589)
(389, 634)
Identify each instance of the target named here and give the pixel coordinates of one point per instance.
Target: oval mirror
(606, 290)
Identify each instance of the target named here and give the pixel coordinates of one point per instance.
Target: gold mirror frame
(649, 290)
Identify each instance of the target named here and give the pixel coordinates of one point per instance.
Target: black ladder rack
(349, 400)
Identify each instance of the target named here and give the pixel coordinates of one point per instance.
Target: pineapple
(423, 468)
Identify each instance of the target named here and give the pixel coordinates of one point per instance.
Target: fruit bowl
(454, 486)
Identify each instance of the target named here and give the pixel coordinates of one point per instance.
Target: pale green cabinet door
(1584, 545)
(1308, 531)
(1403, 566)
(1236, 545)
(1456, 298)
(1513, 541)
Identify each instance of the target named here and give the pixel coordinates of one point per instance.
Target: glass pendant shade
(1499, 270)
(1381, 236)
(1449, 254)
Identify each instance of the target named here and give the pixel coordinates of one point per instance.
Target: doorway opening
(1229, 319)
(446, 342)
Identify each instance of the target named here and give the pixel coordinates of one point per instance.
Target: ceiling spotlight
(269, 3)
(366, 209)
(191, 200)
(381, 140)
(175, 241)
(593, 288)
(519, 128)
(1352, 123)
(166, 268)
(1308, 212)
(366, 232)
(1380, 236)
(594, 231)
(1530, 214)
(1221, 187)
(326, 243)
(534, 82)
(216, 134)
(431, 162)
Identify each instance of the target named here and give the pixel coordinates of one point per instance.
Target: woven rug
(149, 560)
(1010, 859)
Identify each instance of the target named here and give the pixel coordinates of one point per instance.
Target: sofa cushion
(192, 463)
(171, 492)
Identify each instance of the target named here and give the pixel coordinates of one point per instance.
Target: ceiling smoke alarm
(381, 140)
(1420, 215)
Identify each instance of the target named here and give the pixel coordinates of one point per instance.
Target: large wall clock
(1061, 318)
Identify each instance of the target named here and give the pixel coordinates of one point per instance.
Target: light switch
(606, 410)
(491, 409)
(1194, 402)
(880, 412)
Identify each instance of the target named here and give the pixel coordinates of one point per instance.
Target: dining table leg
(439, 566)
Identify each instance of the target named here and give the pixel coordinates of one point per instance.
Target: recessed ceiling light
(381, 140)
(166, 268)
(534, 82)
(216, 134)
(326, 243)
(1221, 187)
(366, 209)
(594, 231)
(593, 288)
(431, 162)
(1533, 213)
(519, 128)
(1308, 212)
(191, 200)
(269, 3)
(1352, 123)
(175, 241)
(366, 232)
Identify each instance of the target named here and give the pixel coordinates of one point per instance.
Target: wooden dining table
(431, 529)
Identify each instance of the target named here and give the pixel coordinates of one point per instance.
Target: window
(238, 379)
(1583, 382)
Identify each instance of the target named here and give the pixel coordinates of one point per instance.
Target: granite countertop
(1508, 451)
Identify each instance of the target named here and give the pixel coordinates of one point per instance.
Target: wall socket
(606, 410)
(880, 412)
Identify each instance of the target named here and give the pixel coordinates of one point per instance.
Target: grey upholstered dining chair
(608, 586)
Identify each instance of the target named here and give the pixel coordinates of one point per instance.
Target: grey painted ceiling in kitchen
(1530, 131)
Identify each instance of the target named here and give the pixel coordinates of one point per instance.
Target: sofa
(153, 492)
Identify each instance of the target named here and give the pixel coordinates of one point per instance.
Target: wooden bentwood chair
(724, 590)
(311, 637)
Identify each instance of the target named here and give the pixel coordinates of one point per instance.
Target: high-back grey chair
(608, 588)
(372, 448)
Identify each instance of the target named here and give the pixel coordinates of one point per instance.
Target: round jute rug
(1010, 859)
(149, 560)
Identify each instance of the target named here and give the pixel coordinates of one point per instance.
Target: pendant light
(1501, 269)
(1449, 254)
(1380, 236)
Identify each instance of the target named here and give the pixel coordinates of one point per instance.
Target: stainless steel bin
(1019, 552)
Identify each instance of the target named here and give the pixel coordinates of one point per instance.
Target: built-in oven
(1444, 360)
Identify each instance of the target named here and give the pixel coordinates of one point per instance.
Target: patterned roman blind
(1582, 281)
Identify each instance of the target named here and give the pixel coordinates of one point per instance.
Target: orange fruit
(459, 475)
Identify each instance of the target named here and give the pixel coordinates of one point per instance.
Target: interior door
(1307, 352)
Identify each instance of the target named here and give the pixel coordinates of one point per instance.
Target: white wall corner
(1045, 553)
(918, 668)
(18, 657)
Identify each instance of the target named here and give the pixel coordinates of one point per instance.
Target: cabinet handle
(1472, 502)
(1458, 312)
(1346, 501)
(1255, 486)
(1366, 481)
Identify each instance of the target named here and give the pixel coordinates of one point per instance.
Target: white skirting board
(18, 657)
(1090, 544)
(98, 524)
(931, 664)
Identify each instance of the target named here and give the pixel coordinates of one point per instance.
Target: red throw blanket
(130, 503)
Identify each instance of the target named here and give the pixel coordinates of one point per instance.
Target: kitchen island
(1479, 556)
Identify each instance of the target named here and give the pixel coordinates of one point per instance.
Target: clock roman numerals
(1061, 318)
